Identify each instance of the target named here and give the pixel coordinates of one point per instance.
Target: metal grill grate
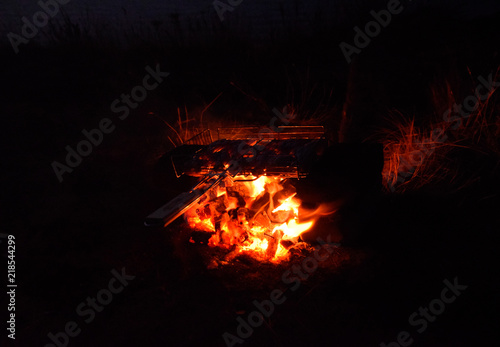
(203, 138)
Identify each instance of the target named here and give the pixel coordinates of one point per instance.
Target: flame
(293, 229)
(257, 186)
(243, 216)
(289, 204)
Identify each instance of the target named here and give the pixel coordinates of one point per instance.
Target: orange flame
(252, 217)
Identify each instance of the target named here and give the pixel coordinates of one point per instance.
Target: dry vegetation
(429, 153)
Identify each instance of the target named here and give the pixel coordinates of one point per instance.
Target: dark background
(398, 248)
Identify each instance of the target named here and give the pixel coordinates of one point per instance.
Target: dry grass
(410, 156)
(417, 156)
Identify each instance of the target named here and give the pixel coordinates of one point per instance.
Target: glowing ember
(258, 217)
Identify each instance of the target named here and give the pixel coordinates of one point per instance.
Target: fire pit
(246, 196)
(259, 217)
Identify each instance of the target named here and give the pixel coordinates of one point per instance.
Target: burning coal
(260, 217)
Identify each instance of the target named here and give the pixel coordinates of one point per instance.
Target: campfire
(260, 217)
(246, 196)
